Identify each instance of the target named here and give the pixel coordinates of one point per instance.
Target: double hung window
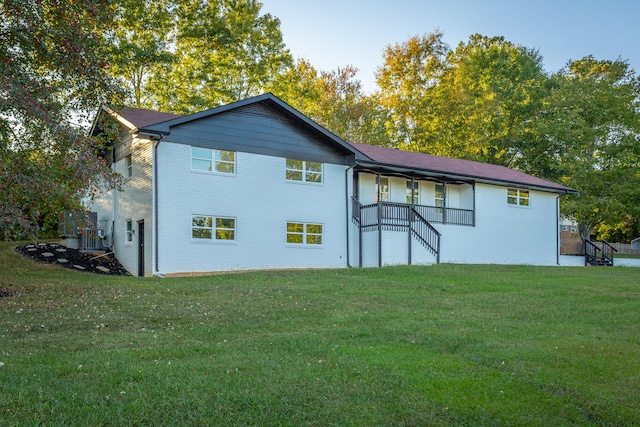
(382, 190)
(301, 233)
(304, 171)
(413, 192)
(213, 228)
(209, 160)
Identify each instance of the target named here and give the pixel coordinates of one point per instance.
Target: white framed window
(415, 193)
(128, 165)
(440, 197)
(565, 228)
(210, 160)
(518, 197)
(302, 233)
(303, 171)
(213, 228)
(383, 191)
(129, 231)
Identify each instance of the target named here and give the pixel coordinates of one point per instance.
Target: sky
(336, 33)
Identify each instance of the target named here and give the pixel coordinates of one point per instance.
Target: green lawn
(443, 345)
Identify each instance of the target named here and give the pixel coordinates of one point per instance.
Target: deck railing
(594, 255)
(396, 217)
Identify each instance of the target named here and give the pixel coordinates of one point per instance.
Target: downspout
(155, 207)
(346, 194)
(558, 230)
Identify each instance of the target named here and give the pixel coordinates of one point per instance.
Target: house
(257, 185)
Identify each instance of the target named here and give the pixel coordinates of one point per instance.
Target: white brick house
(256, 185)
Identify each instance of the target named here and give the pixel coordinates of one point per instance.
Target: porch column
(379, 222)
(410, 220)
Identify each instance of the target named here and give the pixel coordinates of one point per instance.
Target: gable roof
(268, 99)
(450, 169)
(389, 160)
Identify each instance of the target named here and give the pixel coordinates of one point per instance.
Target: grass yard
(402, 346)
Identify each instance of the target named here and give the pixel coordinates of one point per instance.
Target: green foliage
(592, 123)
(222, 51)
(52, 75)
(447, 345)
(333, 99)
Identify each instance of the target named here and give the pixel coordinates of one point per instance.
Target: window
(301, 170)
(565, 228)
(415, 193)
(129, 166)
(213, 228)
(440, 197)
(304, 234)
(383, 191)
(129, 232)
(206, 159)
(518, 197)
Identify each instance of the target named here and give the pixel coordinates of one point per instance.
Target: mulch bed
(53, 253)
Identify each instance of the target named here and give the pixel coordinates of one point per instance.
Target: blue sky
(335, 33)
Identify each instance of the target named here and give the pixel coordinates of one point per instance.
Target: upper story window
(518, 197)
(128, 165)
(413, 197)
(209, 160)
(213, 228)
(301, 170)
(382, 190)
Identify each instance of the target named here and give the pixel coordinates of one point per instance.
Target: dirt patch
(53, 253)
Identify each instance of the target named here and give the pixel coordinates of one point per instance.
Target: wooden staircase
(598, 256)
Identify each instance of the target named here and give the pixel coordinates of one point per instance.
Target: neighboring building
(257, 185)
(570, 241)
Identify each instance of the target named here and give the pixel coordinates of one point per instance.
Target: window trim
(304, 172)
(128, 163)
(380, 192)
(305, 234)
(214, 228)
(519, 197)
(129, 231)
(213, 162)
(415, 191)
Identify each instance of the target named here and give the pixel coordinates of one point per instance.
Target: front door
(141, 248)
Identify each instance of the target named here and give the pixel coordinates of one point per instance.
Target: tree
(224, 51)
(407, 79)
(52, 75)
(485, 102)
(592, 122)
(140, 43)
(335, 100)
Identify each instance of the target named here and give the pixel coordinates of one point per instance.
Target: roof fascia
(457, 177)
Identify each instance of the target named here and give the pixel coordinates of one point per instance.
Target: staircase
(598, 256)
(397, 217)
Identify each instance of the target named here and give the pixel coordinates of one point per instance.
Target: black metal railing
(396, 217)
(598, 255)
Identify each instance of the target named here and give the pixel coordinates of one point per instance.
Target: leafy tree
(334, 99)
(407, 79)
(224, 51)
(52, 75)
(140, 42)
(485, 102)
(592, 122)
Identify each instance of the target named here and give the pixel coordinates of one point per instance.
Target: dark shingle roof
(141, 118)
(455, 167)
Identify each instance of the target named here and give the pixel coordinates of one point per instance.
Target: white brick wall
(261, 200)
(134, 203)
(504, 234)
